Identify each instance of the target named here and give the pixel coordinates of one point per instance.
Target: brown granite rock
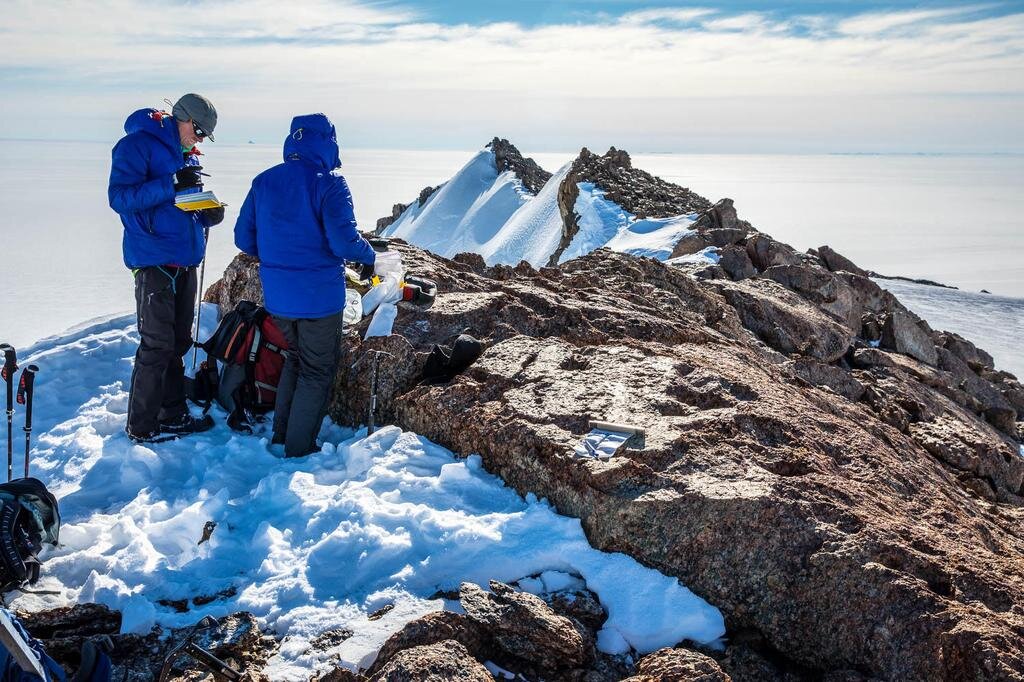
(785, 321)
(903, 333)
(432, 629)
(678, 665)
(446, 661)
(526, 628)
(849, 533)
(837, 262)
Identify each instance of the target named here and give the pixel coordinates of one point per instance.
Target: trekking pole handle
(9, 368)
(25, 391)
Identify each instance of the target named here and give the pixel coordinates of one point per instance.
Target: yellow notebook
(197, 201)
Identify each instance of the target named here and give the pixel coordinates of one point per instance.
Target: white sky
(685, 79)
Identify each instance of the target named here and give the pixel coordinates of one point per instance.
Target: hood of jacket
(159, 124)
(313, 139)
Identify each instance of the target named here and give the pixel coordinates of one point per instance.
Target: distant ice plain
(954, 219)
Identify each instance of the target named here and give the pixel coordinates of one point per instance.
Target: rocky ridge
(635, 190)
(844, 482)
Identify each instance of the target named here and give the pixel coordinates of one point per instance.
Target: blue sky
(742, 76)
(539, 12)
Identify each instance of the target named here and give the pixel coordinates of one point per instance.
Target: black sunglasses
(198, 131)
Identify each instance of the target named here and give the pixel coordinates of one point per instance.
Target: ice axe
(26, 391)
(10, 367)
(188, 647)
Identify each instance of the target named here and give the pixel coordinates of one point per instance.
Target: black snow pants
(306, 380)
(164, 302)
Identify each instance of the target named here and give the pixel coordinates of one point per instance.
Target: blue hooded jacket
(299, 221)
(141, 190)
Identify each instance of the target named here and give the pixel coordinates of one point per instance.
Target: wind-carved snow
(707, 256)
(533, 232)
(482, 211)
(602, 222)
(466, 212)
(306, 545)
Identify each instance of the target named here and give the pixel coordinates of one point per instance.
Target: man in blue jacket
(299, 221)
(156, 160)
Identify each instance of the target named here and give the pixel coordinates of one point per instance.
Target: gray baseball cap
(199, 109)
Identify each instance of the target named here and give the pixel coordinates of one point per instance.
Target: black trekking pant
(314, 349)
(164, 302)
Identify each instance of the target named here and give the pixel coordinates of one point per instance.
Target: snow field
(306, 545)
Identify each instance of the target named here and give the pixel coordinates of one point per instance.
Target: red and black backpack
(251, 351)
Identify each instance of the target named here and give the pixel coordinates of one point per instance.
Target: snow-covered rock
(509, 210)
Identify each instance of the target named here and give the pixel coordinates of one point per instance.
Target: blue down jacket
(299, 221)
(141, 190)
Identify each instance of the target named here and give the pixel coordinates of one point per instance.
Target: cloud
(384, 71)
(662, 15)
(879, 22)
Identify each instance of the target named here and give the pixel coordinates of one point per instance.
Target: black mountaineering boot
(186, 424)
(150, 438)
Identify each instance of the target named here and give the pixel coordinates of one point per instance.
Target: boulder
(735, 261)
(785, 321)
(974, 357)
(836, 262)
(526, 628)
(434, 628)
(827, 291)
(765, 252)
(678, 665)
(903, 333)
(446, 661)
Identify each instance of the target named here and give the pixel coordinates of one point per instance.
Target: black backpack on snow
(28, 517)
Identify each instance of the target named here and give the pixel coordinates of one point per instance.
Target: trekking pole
(199, 308)
(10, 367)
(373, 394)
(26, 389)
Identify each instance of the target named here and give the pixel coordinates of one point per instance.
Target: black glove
(213, 216)
(366, 270)
(188, 177)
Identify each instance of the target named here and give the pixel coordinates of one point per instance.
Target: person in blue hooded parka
(298, 220)
(156, 160)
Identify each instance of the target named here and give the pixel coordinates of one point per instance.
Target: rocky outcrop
(786, 461)
(508, 158)
(635, 190)
(837, 262)
(237, 640)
